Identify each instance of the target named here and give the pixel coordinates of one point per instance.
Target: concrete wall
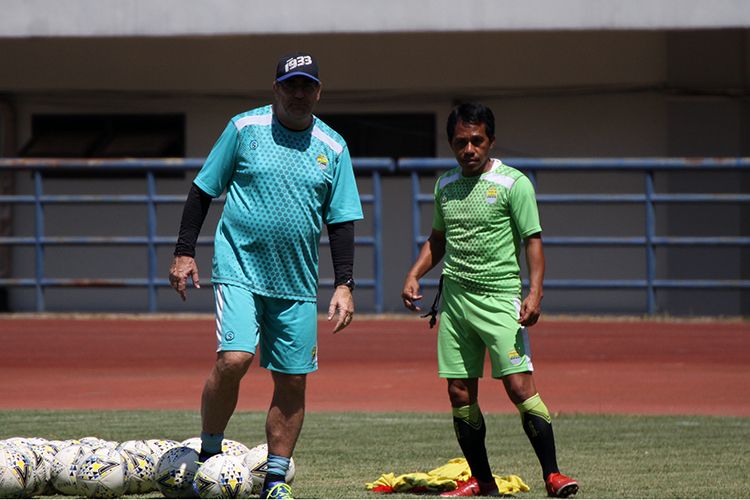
(579, 94)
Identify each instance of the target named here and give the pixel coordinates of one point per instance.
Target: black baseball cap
(297, 64)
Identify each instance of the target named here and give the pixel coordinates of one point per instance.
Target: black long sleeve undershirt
(193, 216)
(341, 238)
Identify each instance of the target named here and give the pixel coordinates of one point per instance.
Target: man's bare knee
(232, 365)
(519, 386)
(462, 392)
(290, 384)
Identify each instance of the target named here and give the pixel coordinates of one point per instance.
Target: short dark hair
(474, 113)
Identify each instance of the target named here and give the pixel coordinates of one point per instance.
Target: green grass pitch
(611, 456)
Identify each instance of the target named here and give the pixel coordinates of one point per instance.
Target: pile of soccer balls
(95, 468)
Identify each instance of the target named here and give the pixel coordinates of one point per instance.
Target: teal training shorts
(472, 324)
(287, 330)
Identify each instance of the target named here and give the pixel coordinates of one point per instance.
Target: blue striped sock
(277, 465)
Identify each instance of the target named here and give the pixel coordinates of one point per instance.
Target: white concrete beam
(170, 18)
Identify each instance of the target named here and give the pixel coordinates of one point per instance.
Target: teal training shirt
(282, 186)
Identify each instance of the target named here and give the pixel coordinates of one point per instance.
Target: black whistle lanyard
(435, 304)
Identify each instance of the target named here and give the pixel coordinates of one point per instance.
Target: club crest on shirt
(322, 161)
(515, 358)
(492, 195)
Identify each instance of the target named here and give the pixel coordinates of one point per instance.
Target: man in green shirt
(485, 212)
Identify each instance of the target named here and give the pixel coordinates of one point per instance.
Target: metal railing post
(151, 186)
(378, 234)
(416, 219)
(650, 249)
(38, 241)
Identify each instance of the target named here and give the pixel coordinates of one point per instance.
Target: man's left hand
(531, 309)
(342, 307)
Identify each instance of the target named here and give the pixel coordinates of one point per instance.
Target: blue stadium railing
(648, 198)
(372, 167)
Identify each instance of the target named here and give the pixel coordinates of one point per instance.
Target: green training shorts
(472, 324)
(287, 330)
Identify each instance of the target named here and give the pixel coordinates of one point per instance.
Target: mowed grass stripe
(611, 456)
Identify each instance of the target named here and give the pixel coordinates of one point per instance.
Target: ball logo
(20, 469)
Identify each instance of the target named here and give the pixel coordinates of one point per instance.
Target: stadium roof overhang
(175, 18)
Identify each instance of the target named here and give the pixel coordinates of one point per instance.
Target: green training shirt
(485, 218)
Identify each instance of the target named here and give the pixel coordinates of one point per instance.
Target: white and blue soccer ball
(39, 470)
(47, 450)
(193, 442)
(256, 460)
(15, 473)
(160, 446)
(223, 476)
(142, 470)
(142, 466)
(64, 468)
(103, 474)
(228, 446)
(175, 471)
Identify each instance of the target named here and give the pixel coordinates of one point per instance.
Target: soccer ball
(223, 476)
(14, 473)
(175, 471)
(36, 482)
(142, 465)
(142, 469)
(16, 441)
(65, 466)
(136, 445)
(193, 442)
(103, 474)
(47, 451)
(235, 448)
(257, 461)
(228, 446)
(94, 442)
(160, 446)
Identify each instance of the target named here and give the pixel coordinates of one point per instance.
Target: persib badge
(515, 358)
(322, 161)
(492, 195)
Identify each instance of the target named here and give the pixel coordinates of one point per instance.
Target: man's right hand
(411, 294)
(183, 266)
